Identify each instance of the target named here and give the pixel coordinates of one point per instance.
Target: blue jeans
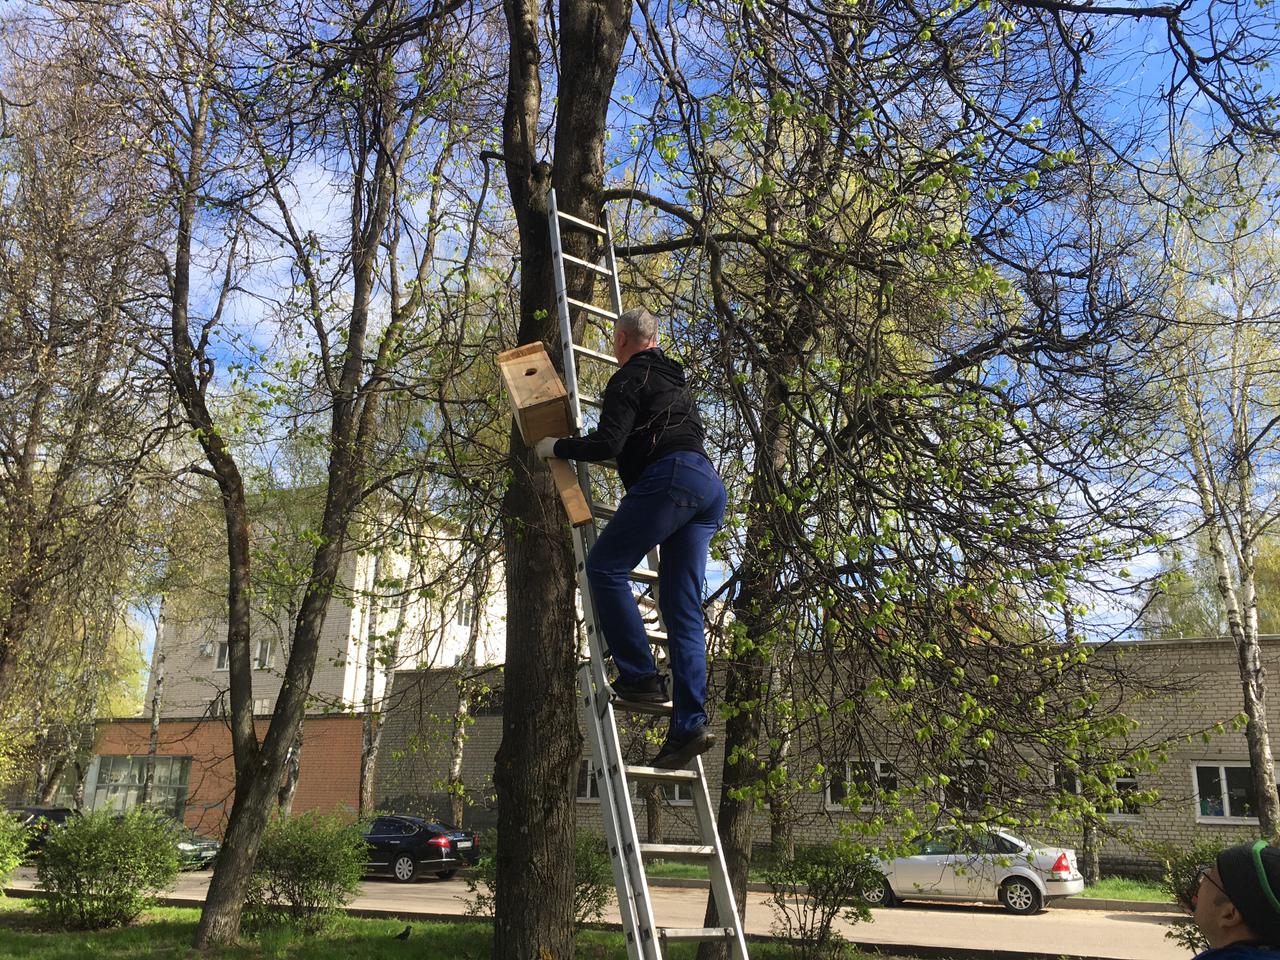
(678, 502)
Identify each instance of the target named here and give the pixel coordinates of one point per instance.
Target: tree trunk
(1241, 625)
(292, 767)
(1089, 850)
(535, 769)
(157, 693)
(371, 711)
(653, 803)
(52, 780)
(462, 712)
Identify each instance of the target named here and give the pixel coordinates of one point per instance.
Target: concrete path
(1121, 935)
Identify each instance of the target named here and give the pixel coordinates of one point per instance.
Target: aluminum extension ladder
(646, 940)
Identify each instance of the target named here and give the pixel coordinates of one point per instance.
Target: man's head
(1236, 898)
(634, 331)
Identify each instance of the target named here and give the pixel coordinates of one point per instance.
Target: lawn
(1123, 888)
(165, 934)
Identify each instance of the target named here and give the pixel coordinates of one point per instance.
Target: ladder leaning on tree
(646, 940)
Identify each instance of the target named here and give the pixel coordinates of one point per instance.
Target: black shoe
(648, 690)
(676, 753)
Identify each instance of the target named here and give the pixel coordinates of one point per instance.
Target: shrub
(13, 844)
(808, 893)
(1178, 871)
(104, 869)
(308, 867)
(592, 882)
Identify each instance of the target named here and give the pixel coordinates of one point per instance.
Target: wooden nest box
(541, 408)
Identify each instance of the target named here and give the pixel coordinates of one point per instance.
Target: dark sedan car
(407, 847)
(39, 821)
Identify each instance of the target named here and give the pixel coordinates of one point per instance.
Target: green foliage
(1177, 876)
(104, 869)
(308, 867)
(592, 882)
(809, 891)
(13, 843)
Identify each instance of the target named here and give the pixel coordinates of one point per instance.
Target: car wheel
(1020, 896)
(447, 874)
(877, 893)
(404, 869)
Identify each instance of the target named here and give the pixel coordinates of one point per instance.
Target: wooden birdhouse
(541, 408)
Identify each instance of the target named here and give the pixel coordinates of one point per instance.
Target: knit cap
(1250, 875)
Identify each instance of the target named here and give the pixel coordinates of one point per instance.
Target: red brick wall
(328, 774)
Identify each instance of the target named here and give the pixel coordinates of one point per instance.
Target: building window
(262, 660)
(487, 703)
(120, 779)
(261, 706)
(1126, 805)
(224, 657)
(677, 794)
(966, 787)
(861, 783)
(217, 707)
(466, 612)
(1224, 791)
(588, 784)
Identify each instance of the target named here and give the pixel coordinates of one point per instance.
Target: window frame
(592, 783)
(259, 661)
(879, 772)
(1221, 766)
(222, 656)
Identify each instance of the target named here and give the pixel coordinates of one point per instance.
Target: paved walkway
(1121, 935)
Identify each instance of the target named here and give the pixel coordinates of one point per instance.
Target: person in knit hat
(1236, 903)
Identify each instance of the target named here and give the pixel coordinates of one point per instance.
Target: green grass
(1123, 888)
(671, 869)
(165, 934)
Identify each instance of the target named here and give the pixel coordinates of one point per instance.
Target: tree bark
(371, 712)
(462, 711)
(292, 767)
(1241, 617)
(535, 768)
(157, 695)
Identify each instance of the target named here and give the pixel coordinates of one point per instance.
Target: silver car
(989, 866)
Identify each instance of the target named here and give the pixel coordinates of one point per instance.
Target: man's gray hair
(639, 323)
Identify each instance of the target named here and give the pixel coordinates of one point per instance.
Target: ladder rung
(662, 773)
(604, 511)
(658, 636)
(596, 354)
(591, 308)
(665, 850)
(652, 709)
(694, 934)
(644, 575)
(604, 271)
(591, 401)
(580, 224)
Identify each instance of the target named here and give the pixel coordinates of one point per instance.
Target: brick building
(378, 620)
(1181, 690)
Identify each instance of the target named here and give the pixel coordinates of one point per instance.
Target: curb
(918, 952)
(1070, 903)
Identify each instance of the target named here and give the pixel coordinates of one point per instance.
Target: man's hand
(546, 448)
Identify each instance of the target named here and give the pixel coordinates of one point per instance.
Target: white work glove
(546, 448)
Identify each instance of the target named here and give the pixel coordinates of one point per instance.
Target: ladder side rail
(562, 310)
(728, 911)
(617, 845)
(603, 727)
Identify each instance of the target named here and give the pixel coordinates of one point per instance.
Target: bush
(592, 881)
(808, 893)
(13, 845)
(1178, 871)
(309, 866)
(104, 869)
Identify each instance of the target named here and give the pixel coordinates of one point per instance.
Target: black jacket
(648, 412)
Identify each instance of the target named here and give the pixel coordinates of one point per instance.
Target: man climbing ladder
(674, 498)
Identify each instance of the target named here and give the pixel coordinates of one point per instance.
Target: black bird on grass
(404, 934)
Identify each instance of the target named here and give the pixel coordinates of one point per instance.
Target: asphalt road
(1117, 934)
